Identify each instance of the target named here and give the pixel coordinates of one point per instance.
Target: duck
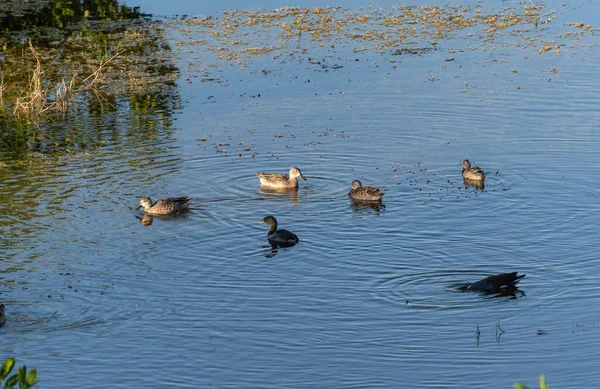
(2, 315)
(364, 193)
(499, 283)
(169, 206)
(276, 180)
(278, 237)
(472, 173)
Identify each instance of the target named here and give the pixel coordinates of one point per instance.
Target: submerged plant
(22, 377)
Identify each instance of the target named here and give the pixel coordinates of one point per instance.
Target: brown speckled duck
(472, 173)
(364, 193)
(275, 180)
(170, 206)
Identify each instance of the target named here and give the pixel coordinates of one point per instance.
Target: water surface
(367, 298)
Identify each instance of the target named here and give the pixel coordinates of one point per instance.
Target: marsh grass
(50, 82)
(3, 86)
(42, 99)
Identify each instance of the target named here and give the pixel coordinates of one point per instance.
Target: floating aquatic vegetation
(239, 35)
(292, 28)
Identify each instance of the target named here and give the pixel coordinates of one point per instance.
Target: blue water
(366, 299)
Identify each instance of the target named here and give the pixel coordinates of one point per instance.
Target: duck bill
(138, 207)
(301, 176)
(261, 222)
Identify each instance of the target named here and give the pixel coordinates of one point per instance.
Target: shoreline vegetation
(43, 98)
(58, 55)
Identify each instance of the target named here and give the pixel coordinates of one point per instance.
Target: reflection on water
(358, 206)
(55, 16)
(146, 220)
(512, 293)
(118, 71)
(271, 250)
(292, 193)
(477, 184)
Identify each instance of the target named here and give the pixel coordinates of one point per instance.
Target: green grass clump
(24, 379)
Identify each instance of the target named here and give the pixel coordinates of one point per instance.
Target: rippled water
(98, 297)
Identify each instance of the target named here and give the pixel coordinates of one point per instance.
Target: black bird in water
(279, 237)
(504, 284)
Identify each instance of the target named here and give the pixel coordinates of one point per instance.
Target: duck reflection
(500, 285)
(291, 192)
(477, 184)
(511, 293)
(358, 206)
(146, 220)
(271, 250)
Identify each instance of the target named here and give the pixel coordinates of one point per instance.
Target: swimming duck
(276, 180)
(364, 193)
(2, 315)
(472, 173)
(279, 237)
(168, 206)
(500, 283)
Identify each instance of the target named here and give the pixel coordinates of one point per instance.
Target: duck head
(295, 172)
